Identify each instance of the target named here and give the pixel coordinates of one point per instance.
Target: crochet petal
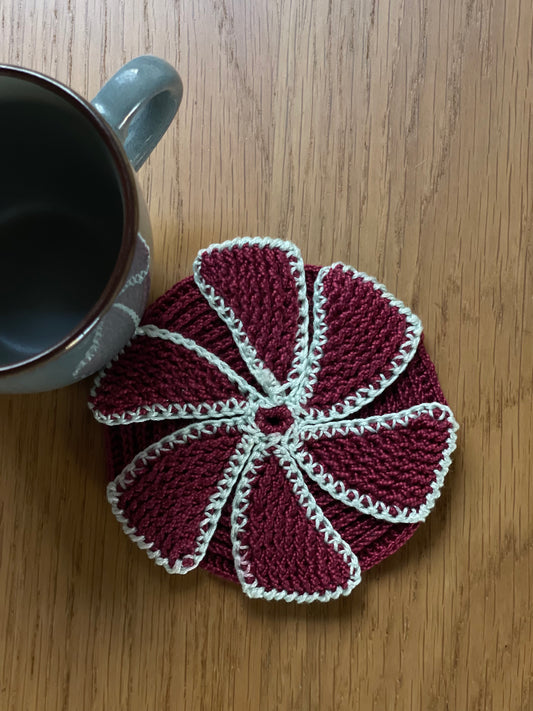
(257, 287)
(162, 375)
(389, 466)
(184, 310)
(363, 338)
(283, 545)
(170, 497)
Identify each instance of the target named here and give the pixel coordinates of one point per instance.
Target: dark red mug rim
(130, 213)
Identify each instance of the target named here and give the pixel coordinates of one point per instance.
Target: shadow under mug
(75, 236)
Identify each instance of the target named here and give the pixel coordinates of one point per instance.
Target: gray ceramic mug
(75, 237)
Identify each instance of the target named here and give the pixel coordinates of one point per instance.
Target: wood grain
(395, 136)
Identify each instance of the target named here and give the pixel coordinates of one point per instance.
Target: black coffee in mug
(61, 213)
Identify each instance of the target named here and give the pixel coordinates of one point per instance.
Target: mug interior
(62, 217)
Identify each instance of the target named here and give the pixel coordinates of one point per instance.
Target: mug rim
(130, 222)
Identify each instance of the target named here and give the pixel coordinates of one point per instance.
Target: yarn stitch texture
(275, 423)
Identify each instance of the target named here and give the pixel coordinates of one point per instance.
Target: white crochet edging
(215, 504)
(314, 514)
(363, 502)
(257, 367)
(368, 393)
(158, 411)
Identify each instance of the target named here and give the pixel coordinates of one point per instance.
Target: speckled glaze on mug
(75, 238)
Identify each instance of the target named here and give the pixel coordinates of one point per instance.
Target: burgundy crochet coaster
(277, 424)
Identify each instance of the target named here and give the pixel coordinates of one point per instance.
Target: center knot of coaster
(274, 419)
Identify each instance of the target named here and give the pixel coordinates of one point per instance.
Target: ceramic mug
(75, 237)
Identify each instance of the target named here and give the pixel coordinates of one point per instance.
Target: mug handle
(139, 102)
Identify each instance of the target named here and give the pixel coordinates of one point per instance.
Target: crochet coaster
(280, 425)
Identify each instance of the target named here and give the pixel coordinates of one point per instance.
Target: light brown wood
(394, 136)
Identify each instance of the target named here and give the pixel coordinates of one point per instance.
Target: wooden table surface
(394, 136)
